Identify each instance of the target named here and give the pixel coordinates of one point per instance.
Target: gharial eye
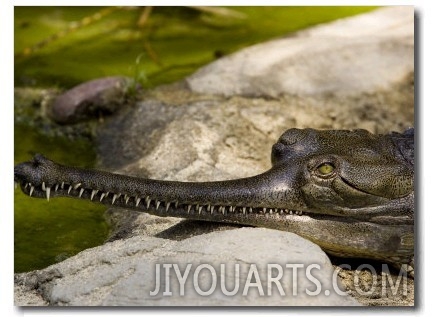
(325, 169)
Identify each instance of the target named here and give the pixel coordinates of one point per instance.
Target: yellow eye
(325, 169)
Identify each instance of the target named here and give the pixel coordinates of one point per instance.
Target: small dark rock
(92, 99)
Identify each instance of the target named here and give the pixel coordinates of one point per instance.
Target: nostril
(38, 159)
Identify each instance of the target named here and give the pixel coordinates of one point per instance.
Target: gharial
(350, 192)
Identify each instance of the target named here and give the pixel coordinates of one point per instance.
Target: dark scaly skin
(350, 192)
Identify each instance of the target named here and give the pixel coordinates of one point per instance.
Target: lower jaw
(329, 232)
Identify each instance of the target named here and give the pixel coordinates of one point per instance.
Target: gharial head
(348, 173)
(351, 192)
(328, 172)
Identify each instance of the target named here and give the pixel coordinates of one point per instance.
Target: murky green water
(173, 43)
(48, 232)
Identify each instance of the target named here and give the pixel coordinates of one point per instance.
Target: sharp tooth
(208, 207)
(56, 187)
(63, 185)
(189, 208)
(126, 199)
(27, 185)
(76, 186)
(211, 209)
(81, 192)
(271, 211)
(286, 211)
(176, 204)
(251, 209)
(31, 190)
(244, 210)
(223, 209)
(115, 196)
(137, 201)
(199, 210)
(102, 196)
(157, 204)
(231, 209)
(148, 200)
(167, 205)
(94, 192)
(43, 186)
(47, 191)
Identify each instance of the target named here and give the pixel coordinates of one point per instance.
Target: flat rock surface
(124, 272)
(351, 56)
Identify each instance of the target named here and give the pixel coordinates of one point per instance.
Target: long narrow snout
(264, 193)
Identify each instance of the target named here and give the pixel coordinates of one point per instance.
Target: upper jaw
(45, 191)
(40, 178)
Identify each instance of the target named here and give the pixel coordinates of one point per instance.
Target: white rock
(124, 272)
(360, 54)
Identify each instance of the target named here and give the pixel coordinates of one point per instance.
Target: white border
(425, 173)
(418, 3)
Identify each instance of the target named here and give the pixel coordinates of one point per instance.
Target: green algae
(174, 41)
